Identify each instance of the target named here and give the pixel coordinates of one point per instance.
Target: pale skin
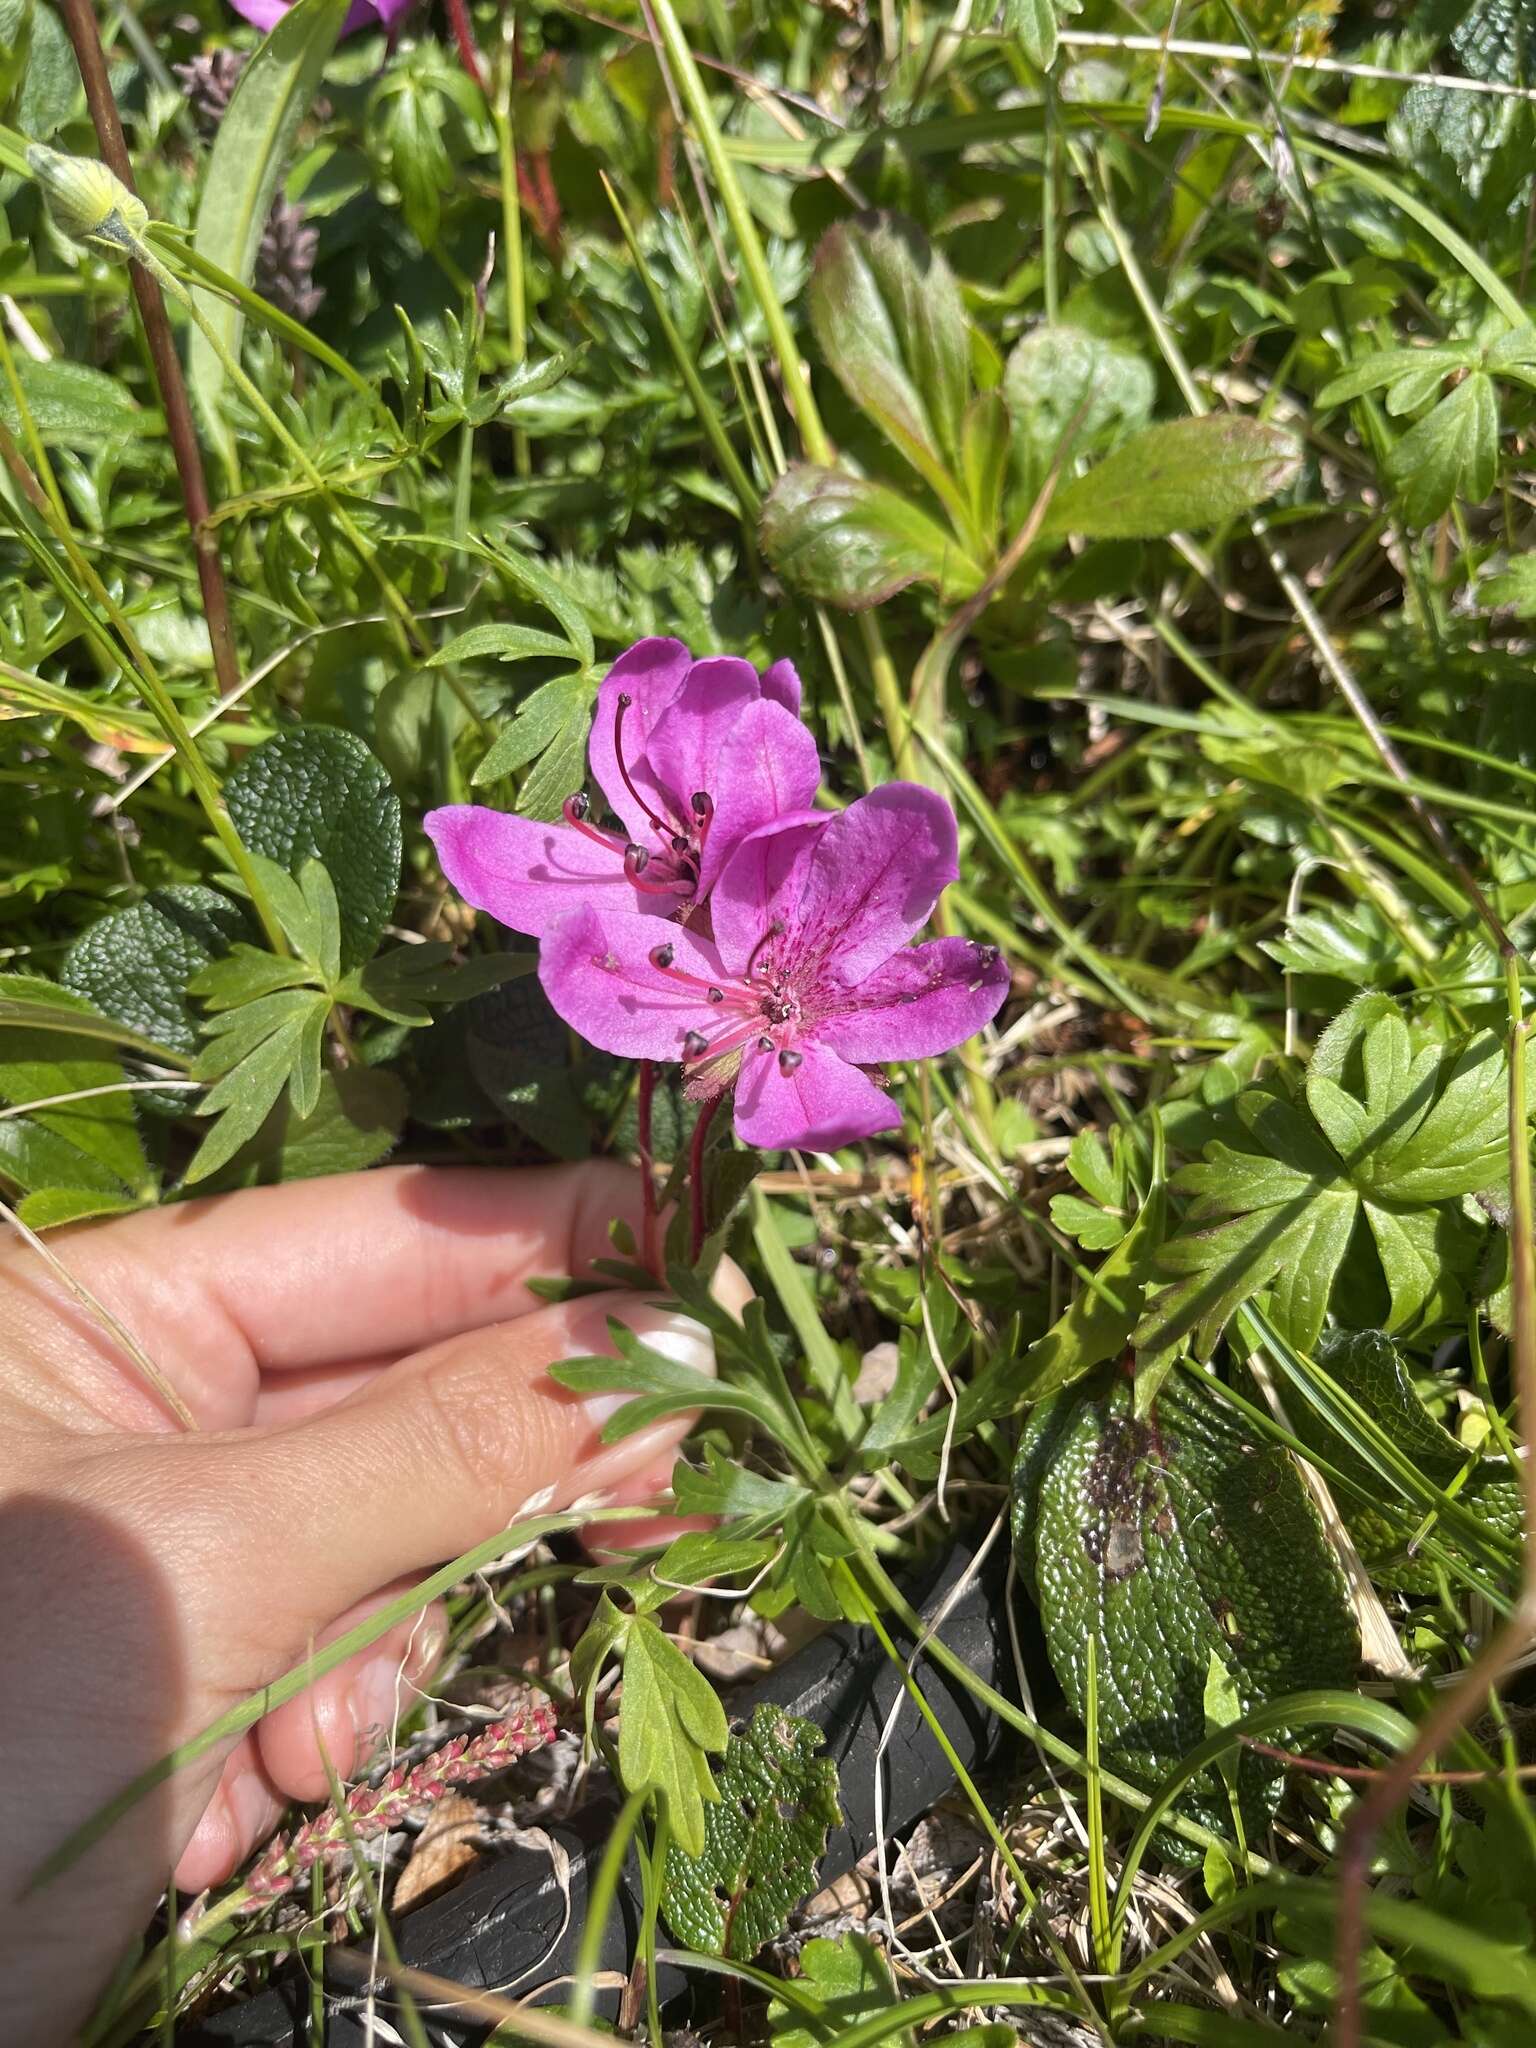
(369, 1375)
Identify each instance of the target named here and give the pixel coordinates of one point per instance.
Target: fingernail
(674, 1336)
(379, 1695)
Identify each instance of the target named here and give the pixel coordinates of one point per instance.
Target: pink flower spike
(693, 757)
(809, 977)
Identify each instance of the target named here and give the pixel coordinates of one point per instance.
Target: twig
(697, 1148)
(80, 21)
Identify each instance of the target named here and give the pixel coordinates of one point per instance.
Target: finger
(347, 1715)
(286, 1397)
(243, 1811)
(605, 1541)
(317, 1272)
(428, 1460)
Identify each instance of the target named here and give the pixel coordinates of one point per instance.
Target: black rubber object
(502, 1925)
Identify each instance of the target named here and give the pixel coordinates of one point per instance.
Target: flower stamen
(656, 824)
(576, 810)
(774, 931)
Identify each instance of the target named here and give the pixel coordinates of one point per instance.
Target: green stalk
(599, 1904)
(511, 229)
(131, 658)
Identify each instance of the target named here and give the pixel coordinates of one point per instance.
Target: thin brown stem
(464, 36)
(80, 21)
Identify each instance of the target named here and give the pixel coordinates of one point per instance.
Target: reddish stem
(645, 1096)
(696, 1151)
(463, 35)
(80, 22)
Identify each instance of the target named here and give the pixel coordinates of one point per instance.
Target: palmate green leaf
(315, 793)
(1389, 1124)
(1408, 375)
(849, 541)
(764, 1839)
(250, 153)
(1352, 942)
(554, 719)
(258, 1051)
(670, 1721)
(1175, 1538)
(888, 316)
(356, 1117)
(1186, 475)
(1452, 453)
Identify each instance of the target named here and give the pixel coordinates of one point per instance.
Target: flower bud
(88, 202)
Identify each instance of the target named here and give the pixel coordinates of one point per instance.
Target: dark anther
(716, 995)
(701, 803)
(663, 956)
(680, 842)
(636, 859)
(789, 1059)
(695, 1045)
(765, 1043)
(625, 700)
(576, 807)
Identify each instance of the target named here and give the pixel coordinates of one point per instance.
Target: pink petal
(874, 877)
(650, 673)
(763, 880)
(924, 1000)
(766, 769)
(262, 14)
(528, 874)
(781, 685)
(821, 1104)
(683, 751)
(596, 970)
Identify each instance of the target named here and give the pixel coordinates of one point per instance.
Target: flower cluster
(718, 919)
(373, 1810)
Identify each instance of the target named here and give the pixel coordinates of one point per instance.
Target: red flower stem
(463, 35)
(649, 1255)
(696, 1150)
(80, 21)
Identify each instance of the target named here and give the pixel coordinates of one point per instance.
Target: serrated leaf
(1185, 475)
(505, 643)
(892, 329)
(553, 721)
(135, 964)
(1095, 1229)
(249, 155)
(763, 1840)
(357, 1115)
(1353, 942)
(1386, 1122)
(849, 541)
(1452, 453)
(317, 793)
(669, 1721)
(259, 1051)
(1175, 1539)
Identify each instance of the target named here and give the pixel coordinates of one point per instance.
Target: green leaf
(259, 1050)
(848, 541)
(1353, 942)
(1452, 453)
(1397, 369)
(135, 964)
(317, 793)
(400, 984)
(892, 329)
(249, 155)
(1098, 1323)
(1388, 1123)
(553, 722)
(1513, 585)
(1176, 1539)
(1095, 1229)
(505, 643)
(35, 1066)
(1187, 475)
(1063, 381)
(74, 406)
(53, 1207)
(763, 1840)
(851, 1981)
(1035, 23)
(669, 1718)
(357, 1116)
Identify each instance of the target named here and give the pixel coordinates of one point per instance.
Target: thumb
(431, 1458)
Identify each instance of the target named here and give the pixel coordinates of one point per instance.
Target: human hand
(367, 1369)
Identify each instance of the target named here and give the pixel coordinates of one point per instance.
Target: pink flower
(266, 14)
(809, 977)
(693, 756)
